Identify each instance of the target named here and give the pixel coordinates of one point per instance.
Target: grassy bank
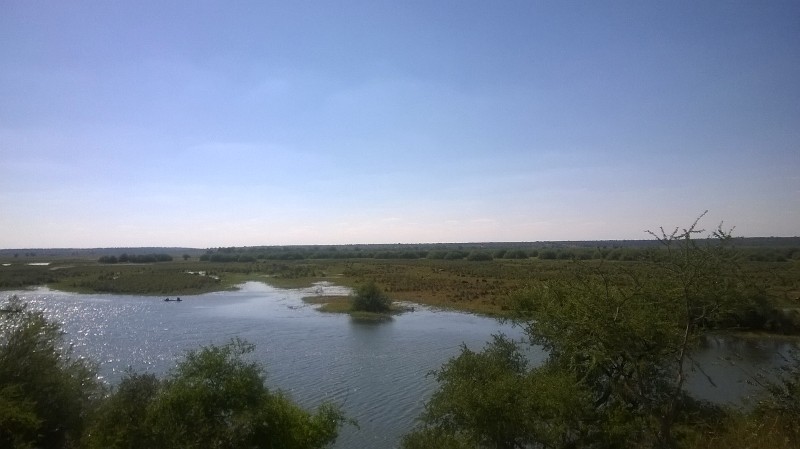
(474, 286)
(344, 304)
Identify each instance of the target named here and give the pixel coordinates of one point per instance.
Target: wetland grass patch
(344, 304)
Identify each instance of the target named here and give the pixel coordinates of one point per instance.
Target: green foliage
(136, 258)
(748, 431)
(18, 276)
(516, 254)
(774, 423)
(167, 278)
(432, 437)
(19, 422)
(370, 298)
(455, 255)
(45, 392)
(121, 420)
(620, 343)
(214, 398)
(782, 404)
(629, 336)
(479, 256)
(492, 399)
(548, 254)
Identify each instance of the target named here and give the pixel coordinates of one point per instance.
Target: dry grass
(752, 432)
(481, 287)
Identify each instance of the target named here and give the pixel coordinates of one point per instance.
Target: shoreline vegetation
(474, 278)
(344, 304)
(367, 303)
(619, 334)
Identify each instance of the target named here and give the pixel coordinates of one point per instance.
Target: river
(375, 371)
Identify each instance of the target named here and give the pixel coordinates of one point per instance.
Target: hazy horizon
(648, 238)
(211, 124)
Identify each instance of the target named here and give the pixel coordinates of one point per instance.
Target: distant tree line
(620, 346)
(136, 258)
(757, 250)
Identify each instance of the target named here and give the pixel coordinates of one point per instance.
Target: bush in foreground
(46, 393)
(213, 398)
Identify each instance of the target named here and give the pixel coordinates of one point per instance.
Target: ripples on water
(376, 371)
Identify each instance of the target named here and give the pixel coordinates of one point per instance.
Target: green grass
(479, 287)
(331, 304)
(344, 304)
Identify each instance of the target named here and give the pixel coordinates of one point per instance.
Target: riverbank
(344, 304)
(376, 371)
(481, 287)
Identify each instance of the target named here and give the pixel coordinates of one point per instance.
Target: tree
(214, 398)
(121, 420)
(781, 406)
(46, 393)
(479, 256)
(623, 336)
(629, 335)
(370, 298)
(493, 399)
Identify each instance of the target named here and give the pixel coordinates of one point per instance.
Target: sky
(243, 123)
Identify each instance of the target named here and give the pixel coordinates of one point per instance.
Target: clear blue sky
(217, 123)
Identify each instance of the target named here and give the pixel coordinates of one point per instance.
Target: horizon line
(86, 248)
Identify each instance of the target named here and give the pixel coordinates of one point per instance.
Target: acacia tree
(623, 337)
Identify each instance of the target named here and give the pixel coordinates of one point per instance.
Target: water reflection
(730, 369)
(376, 371)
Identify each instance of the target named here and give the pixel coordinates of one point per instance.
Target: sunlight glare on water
(375, 371)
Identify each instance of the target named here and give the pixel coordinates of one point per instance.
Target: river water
(375, 371)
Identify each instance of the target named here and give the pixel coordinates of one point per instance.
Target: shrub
(548, 254)
(493, 399)
(619, 344)
(45, 392)
(516, 254)
(213, 398)
(455, 255)
(370, 298)
(120, 421)
(479, 256)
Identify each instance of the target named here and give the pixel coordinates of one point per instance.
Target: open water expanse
(375, 371)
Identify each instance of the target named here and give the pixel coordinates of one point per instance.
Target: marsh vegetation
(486, 286)
(368, 302)
(620, 334)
